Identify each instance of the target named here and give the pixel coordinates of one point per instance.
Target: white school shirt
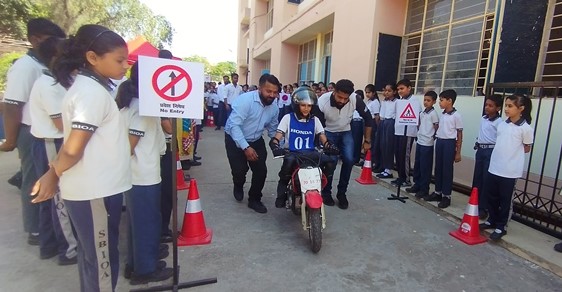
(215, 98)
(407, 130)
(426, 131)
(389, 109)
(19, 80)
(145, 161)
(232, 92)
(488, 130)
(374, 107)
(45, 104)
(221, 92)
(105, 167)
(508, 156)
(449, 124)
(208, 100)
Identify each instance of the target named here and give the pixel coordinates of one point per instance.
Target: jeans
(143, 207)
(344, 141)
(357, 133)
(423, 166)
(30, 211)
(480, 171)
(444, 161)
(239, 166)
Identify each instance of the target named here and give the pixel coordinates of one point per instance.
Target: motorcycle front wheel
(315, 229)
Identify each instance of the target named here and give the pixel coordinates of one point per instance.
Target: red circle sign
(161, 91)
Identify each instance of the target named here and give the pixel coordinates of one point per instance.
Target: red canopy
(141, 47)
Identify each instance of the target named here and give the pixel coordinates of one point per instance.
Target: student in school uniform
(143, 200)
(423, 165)
(484, 146)
(56, 235)
(93, 167)
(387, 130)
(17, 120)
(447, 149)
(374, 106)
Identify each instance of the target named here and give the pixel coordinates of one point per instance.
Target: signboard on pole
(170, 88)
(407, 113)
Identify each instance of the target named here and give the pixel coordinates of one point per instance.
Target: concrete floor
(375, 245)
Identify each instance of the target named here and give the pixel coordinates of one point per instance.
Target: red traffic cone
(180, 180)
(366, 177)
(210, 119)
(469, 232)
(193, 230)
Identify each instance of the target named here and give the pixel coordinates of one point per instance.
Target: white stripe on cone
(471, 210)
(178, 165)
(193, 206)
(367, 164)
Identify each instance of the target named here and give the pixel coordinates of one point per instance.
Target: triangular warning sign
(408, 112)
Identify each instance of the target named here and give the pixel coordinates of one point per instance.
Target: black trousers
(403, 154)
(387, 143)
(480, 171)
(290, 163)
(166, 189)
(239, 166)
(499, 192)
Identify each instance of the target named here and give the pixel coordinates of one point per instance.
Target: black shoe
(445, 202)
(360, 163)
(328, 200)
(129, 271)
(384, 174)
(377, 169)
(280, 202)
(413, 190)
(497, 234)
(342, 202)
(257, 206)
(185, 165)
(483, 214)
(157, 276)
(64, 261)
(162, 254)
(397, 182)
(486, 225)
(421, 195)
(163, 246)
(194, 163)
(166, 238)
(558, 247)
(15, 180)
(48, 254)
(195, 157)
(434, 197)
(238, 193)
(33, 239)
(406, 184)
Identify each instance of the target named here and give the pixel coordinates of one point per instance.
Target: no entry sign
(170, 88)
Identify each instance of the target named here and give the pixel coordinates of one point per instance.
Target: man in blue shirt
(252, 112)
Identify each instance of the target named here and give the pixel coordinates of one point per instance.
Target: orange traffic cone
(180, 180)
(469, 232)
(366, 177)
(193, 230)
(210, 119)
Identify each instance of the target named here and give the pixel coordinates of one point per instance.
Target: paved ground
(375, 245)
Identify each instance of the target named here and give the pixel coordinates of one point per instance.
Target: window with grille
(552, 70)
(307, 61)
(447, 44)
(269, 21)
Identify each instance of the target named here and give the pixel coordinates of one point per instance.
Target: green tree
(129, 18)
(6, 60)
(200, 59)
(221, 69)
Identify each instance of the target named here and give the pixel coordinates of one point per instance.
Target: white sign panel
(170, 88)
(406, 113)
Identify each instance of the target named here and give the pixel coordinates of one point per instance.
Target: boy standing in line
(429, 122)
(447, 149)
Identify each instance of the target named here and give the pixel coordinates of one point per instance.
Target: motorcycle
(304, 198)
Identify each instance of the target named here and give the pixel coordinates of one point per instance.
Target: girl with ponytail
(515, 137)
(92, 168)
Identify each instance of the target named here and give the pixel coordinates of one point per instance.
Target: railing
(537, 198)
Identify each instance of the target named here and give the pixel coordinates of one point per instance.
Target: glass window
(432, 60)
(438, 12)
(307, 61)
(269, 23)
(468, 8)
(414, 19)
(410, 57)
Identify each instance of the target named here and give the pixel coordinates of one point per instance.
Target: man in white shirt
(232, 91)
(221, 92)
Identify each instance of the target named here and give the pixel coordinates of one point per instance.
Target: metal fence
(537, 198)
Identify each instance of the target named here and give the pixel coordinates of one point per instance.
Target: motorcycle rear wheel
(315, 229)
